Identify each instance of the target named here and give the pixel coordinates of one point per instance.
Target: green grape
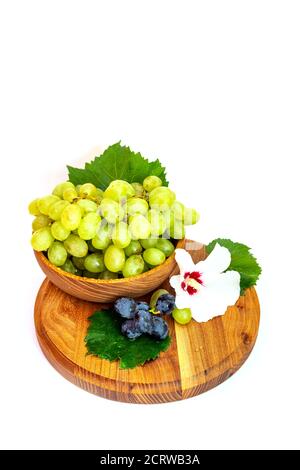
(56, 209)
(155, 296)
(134, 248)
(114, 258)
(111, 210)
(40, 221)
(86, 206)
(182, 315)
(191, 216)
(88, 190)
(136, 205)
(161, 198)
(42, 239)
(78, 262)
(178, 210)
(102, 238)
(120, 235)
(46, 202)
(75, 246)
(139, 227)
(157, 222)
(59, 189)
(77, 187)
(107, 275)
(139, 189)
(69, 267)
(99, 195)
(165, 246)
(151, 182)
(154, 256)
(94, 263)
(118, 190)
(176, 228)
(89, 225)
(70, 194)
(59, 232)
(134, 265)
(71, 217)
(90, 275)
(148, 243)
(33, 207)
(57, 254)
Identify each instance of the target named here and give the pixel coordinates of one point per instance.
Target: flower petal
(184, 260)
(175, 282)
(183, 300)
(216, 263)
(214, 300)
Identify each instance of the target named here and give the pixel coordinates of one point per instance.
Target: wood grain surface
(201, 355)
(99, 290)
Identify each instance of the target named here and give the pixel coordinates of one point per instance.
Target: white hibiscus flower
(204, 287)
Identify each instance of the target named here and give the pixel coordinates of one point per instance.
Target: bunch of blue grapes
(143, 318)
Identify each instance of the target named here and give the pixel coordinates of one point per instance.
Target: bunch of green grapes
(120, 232)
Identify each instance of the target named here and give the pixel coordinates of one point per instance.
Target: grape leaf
(242, 261)
(105, 340)
(117, 162)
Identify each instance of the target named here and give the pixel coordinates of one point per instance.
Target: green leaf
(242, 261)
(104, 339)
(117, 162)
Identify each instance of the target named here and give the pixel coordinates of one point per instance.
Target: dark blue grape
(130, 329)
(142, 306)
(144, 321)
(125, 307)
(160, 328)
(165, 304)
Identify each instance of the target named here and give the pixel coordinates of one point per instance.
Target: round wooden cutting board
(201, 355)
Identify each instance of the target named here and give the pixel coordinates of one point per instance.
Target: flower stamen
(192, 282)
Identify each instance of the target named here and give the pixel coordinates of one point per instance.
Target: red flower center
(192, 282)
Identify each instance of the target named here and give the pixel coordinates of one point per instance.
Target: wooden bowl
(98, 290)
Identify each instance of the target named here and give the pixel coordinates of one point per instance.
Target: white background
(212, 89)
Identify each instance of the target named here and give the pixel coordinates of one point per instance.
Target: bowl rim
(40, 256)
